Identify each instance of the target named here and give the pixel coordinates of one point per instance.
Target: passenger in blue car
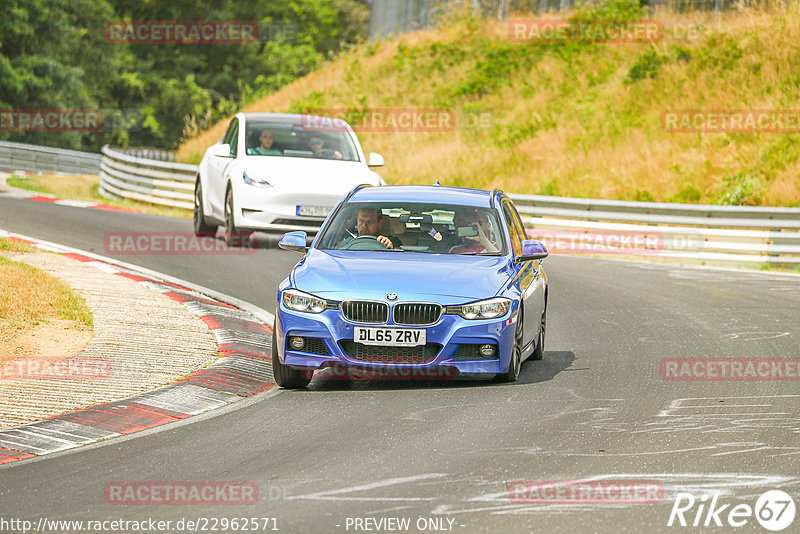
(369, 222)
(478, 243)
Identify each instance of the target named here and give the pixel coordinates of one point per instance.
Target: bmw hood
(453, 279)
(318, 175)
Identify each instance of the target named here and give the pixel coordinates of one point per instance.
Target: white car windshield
(414, 227)
(300, 138)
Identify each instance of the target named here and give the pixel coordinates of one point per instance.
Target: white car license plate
(314, 211)
(392, 337)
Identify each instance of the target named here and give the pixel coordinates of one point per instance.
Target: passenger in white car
(266, 147)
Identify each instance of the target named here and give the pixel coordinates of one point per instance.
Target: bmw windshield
(414, 227)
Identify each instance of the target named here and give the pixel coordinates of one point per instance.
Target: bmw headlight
(303, 302)
(485, 309)
(257, 182)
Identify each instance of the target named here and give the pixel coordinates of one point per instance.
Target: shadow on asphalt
(553, 363)
(247, 240)
(545, 369)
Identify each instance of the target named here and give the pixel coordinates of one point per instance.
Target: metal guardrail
(147, 180)
(688, 232)
(706, 215)
(148, 153)
(23, 157)
(698, 233)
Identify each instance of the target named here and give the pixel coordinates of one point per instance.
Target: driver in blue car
(369, 222)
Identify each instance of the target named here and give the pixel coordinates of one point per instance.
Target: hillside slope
(574, 119)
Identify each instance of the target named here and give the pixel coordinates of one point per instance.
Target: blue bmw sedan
(413, 278)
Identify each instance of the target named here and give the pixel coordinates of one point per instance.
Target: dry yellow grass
(589, 132)
(14, 245)
(40, 316)
(30, 296)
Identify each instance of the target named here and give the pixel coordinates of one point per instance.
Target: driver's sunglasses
(316, 142)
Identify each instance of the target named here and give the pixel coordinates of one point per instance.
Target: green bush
(681, 53)
(721, 52)
(779, 154)
(515, 132)
(496, 65)
(310, 103)
(689, 194)
(646, 66)
(548, 188)
(608, 11)
(741, 189)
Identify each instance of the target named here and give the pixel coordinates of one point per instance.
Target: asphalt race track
(596, 407)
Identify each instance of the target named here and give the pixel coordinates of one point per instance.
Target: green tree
(54, 54)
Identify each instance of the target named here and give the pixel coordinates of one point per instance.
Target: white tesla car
(278, 172)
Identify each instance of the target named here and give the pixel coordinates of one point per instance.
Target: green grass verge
(87, 188)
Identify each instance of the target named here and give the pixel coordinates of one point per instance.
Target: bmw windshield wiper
(478, 254)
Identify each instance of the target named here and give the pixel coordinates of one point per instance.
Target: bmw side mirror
(375, 160)
(532, 250)
(295, 241)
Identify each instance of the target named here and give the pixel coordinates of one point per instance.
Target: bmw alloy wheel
(515, 362)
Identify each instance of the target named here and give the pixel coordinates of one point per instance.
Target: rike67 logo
(774, 510)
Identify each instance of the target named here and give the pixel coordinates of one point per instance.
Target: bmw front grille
(416, 313)
(365, 311)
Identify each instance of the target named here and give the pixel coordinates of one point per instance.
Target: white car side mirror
(223, 150)
(375, 160)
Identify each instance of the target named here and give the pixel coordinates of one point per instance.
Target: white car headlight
(303, 302)
(485, 309)
(257, 182)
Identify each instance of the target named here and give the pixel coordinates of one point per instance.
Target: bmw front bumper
(452, 342)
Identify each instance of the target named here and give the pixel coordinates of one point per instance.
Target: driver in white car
(369, 222)
(319, 150)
